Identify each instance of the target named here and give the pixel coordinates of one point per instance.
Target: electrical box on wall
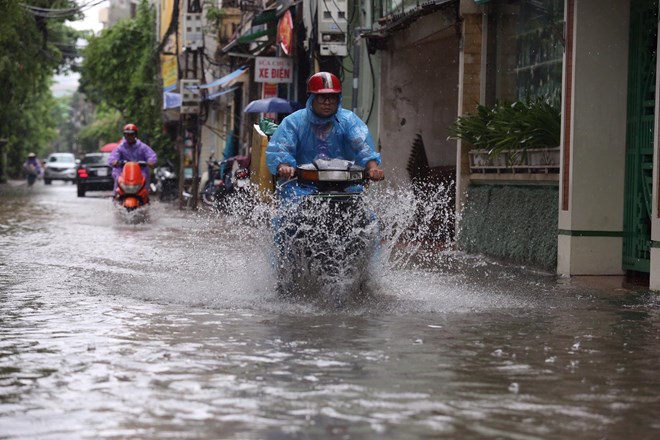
(190, 96)
(332, 27)
(193, 36)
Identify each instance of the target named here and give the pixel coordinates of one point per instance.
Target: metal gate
(639, 135)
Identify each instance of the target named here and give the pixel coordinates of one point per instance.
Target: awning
(265, 17)
(225, 79)
(223, 92)
(376, 38)
(284, 5)
(251, 41)
(248, 38)
(173, 100)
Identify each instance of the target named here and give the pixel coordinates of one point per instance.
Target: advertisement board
(273, 70)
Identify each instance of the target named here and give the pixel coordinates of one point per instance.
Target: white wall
(598, 141)
(419, 92)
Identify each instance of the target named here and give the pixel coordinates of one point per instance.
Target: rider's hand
(286, 171)
(374, 172)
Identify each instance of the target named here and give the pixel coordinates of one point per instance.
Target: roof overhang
(377, 38)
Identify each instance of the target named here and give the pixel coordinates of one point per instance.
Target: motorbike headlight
(334, 176)
(356, 175)
(130, 189)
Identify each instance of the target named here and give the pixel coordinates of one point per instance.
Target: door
(639, 135)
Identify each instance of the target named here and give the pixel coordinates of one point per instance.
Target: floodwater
(171, 328)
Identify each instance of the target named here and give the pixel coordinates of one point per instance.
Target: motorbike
(325, 235)
(31, 174)
(165, 182)
(132, 191)
(228, 186)
(214, 188)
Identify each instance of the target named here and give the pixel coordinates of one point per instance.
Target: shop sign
(273, 70)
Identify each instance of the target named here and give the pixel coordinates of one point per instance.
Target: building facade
(409, 69)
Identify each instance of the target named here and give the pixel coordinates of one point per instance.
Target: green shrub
(515, 126)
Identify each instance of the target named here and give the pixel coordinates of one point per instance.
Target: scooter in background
(166, 182)
(214, 189)
(228, 187)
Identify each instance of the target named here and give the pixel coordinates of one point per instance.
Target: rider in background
(32, 165)
(322, 130)
(131, 149)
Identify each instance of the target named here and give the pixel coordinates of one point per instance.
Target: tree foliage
(120, 71)
(32, 48)
(103, 129)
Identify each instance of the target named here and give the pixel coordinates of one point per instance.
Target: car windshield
(96, 159)
(62, 158)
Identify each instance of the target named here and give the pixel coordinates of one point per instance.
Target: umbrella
(107, 148)
(272, 105)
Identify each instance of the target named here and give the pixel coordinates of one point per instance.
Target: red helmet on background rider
(323, 82)
(130, 129)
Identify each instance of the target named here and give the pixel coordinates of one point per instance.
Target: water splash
(417, 222)
(339, 253)
(228, 260)
(133, 217)
(323, 247)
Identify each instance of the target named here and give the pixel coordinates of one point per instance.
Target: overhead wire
(59, 12)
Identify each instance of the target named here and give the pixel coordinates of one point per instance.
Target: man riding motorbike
(322, 130)
(131, 149)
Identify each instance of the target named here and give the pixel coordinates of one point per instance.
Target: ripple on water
(172, 328)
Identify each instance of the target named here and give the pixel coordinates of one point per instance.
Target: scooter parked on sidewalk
(228, 186)
(166, 182)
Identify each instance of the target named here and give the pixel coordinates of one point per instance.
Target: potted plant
(511, 132)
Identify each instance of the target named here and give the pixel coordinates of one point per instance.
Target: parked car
(94, 174)
(60, 166)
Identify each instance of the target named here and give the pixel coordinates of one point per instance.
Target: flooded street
(172, 328)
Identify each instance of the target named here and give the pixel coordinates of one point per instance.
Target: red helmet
(323, 82)
(130, 129)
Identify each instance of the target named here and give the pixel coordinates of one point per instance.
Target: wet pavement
(171, 327)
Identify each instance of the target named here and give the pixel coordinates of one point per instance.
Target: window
(526, 54)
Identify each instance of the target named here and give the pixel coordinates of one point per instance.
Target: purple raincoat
(132, 152)
(32, 164)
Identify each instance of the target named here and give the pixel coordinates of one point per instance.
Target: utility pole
(189, 127)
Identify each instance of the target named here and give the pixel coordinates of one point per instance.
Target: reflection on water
(172, 328)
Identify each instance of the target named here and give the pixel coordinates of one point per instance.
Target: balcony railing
(531, 161)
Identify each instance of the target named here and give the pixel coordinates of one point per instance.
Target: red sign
(270, 91)
(285, 32)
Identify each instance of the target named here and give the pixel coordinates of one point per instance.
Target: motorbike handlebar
(297, 175)
(142, 163)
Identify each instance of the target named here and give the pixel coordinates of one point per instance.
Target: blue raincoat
(304, 136)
